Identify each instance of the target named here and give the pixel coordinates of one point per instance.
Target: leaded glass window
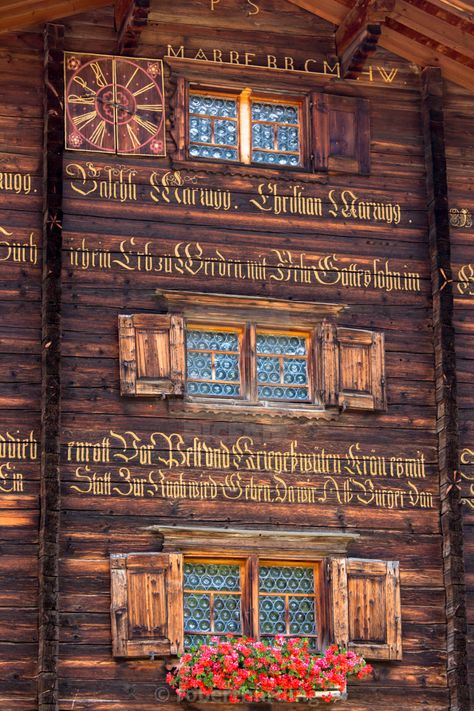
(282, 367)
(287, 601)
(213, 363)
(213, 127)
(212, 601)
(275, 134)
(245, 128)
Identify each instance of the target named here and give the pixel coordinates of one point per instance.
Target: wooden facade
(121, 234)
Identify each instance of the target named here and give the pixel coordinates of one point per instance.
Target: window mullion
(250, 597)
(245, 126)
(252, 362)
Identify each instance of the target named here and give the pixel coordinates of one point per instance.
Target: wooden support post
(446, 400)
(358, 34)
(131, 17)
(50, 390)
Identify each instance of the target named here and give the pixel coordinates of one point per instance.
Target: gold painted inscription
(15, 447)
(17, 250)
(172, 467)
(176, 189)
(279, 265)
(467, 498)
(312, 65)
(465, 280)
(18, 183)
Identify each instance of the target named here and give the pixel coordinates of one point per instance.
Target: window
(245, 128)
(242, 357)
(214, 603)
(282, 126)
(165, 602)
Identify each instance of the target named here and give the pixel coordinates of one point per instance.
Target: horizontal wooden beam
(19, 15)
(395, 41)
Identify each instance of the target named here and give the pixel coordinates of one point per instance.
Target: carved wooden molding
(297, 545)
(131, 18)
(272, 311)
(358, 34)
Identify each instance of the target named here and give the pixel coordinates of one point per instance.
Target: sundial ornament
(114, 104)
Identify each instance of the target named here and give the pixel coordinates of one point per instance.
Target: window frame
(250, 591)
(244, 97)
(248, 364)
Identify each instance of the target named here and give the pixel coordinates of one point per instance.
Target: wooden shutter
(147, 604)
(341, 133)
(152, 355)
(365, 607)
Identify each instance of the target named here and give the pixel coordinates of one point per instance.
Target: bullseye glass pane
(213, 363)
(272, 615)
(302, 617)
(275, 134)
(279, 377)
(277, 578)
(211, 576)
(212, 126)
(227, 613)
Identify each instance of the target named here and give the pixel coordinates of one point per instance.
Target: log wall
(21, 138)
(133, 225)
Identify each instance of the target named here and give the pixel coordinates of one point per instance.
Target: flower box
(278, 671)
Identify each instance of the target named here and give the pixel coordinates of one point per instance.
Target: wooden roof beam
(131, 18)
(358, 34)
(19, 15)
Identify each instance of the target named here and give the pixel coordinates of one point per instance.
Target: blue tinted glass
(227, 613)
(212, 106)
(275, 158)
(225, 132)
(302, 617)
(295, 371)
(200, 129)
(281, 345)
(276, 113)
(213, 363)
(266, 392)
(268, 370)
(197, 612)
(211, 576)
(276, 578)
(288, 139)
(212, 152)
(263, 136)
(212, 340)
(272, 615)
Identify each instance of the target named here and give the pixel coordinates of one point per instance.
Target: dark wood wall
(21, 137)
(459, 142)
(93, 526)
(104, 275)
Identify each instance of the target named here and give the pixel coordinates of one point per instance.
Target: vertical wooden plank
(175, 603)
(127, 355)
(394, 621)
(329, 364)
(177, 354)
(339, 603)
(118, 607)
(50, 500)
(446, 395)
(377, 356)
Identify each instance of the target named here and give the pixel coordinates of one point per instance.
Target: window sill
(285, 173)
(260, 410)
(196, 699)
